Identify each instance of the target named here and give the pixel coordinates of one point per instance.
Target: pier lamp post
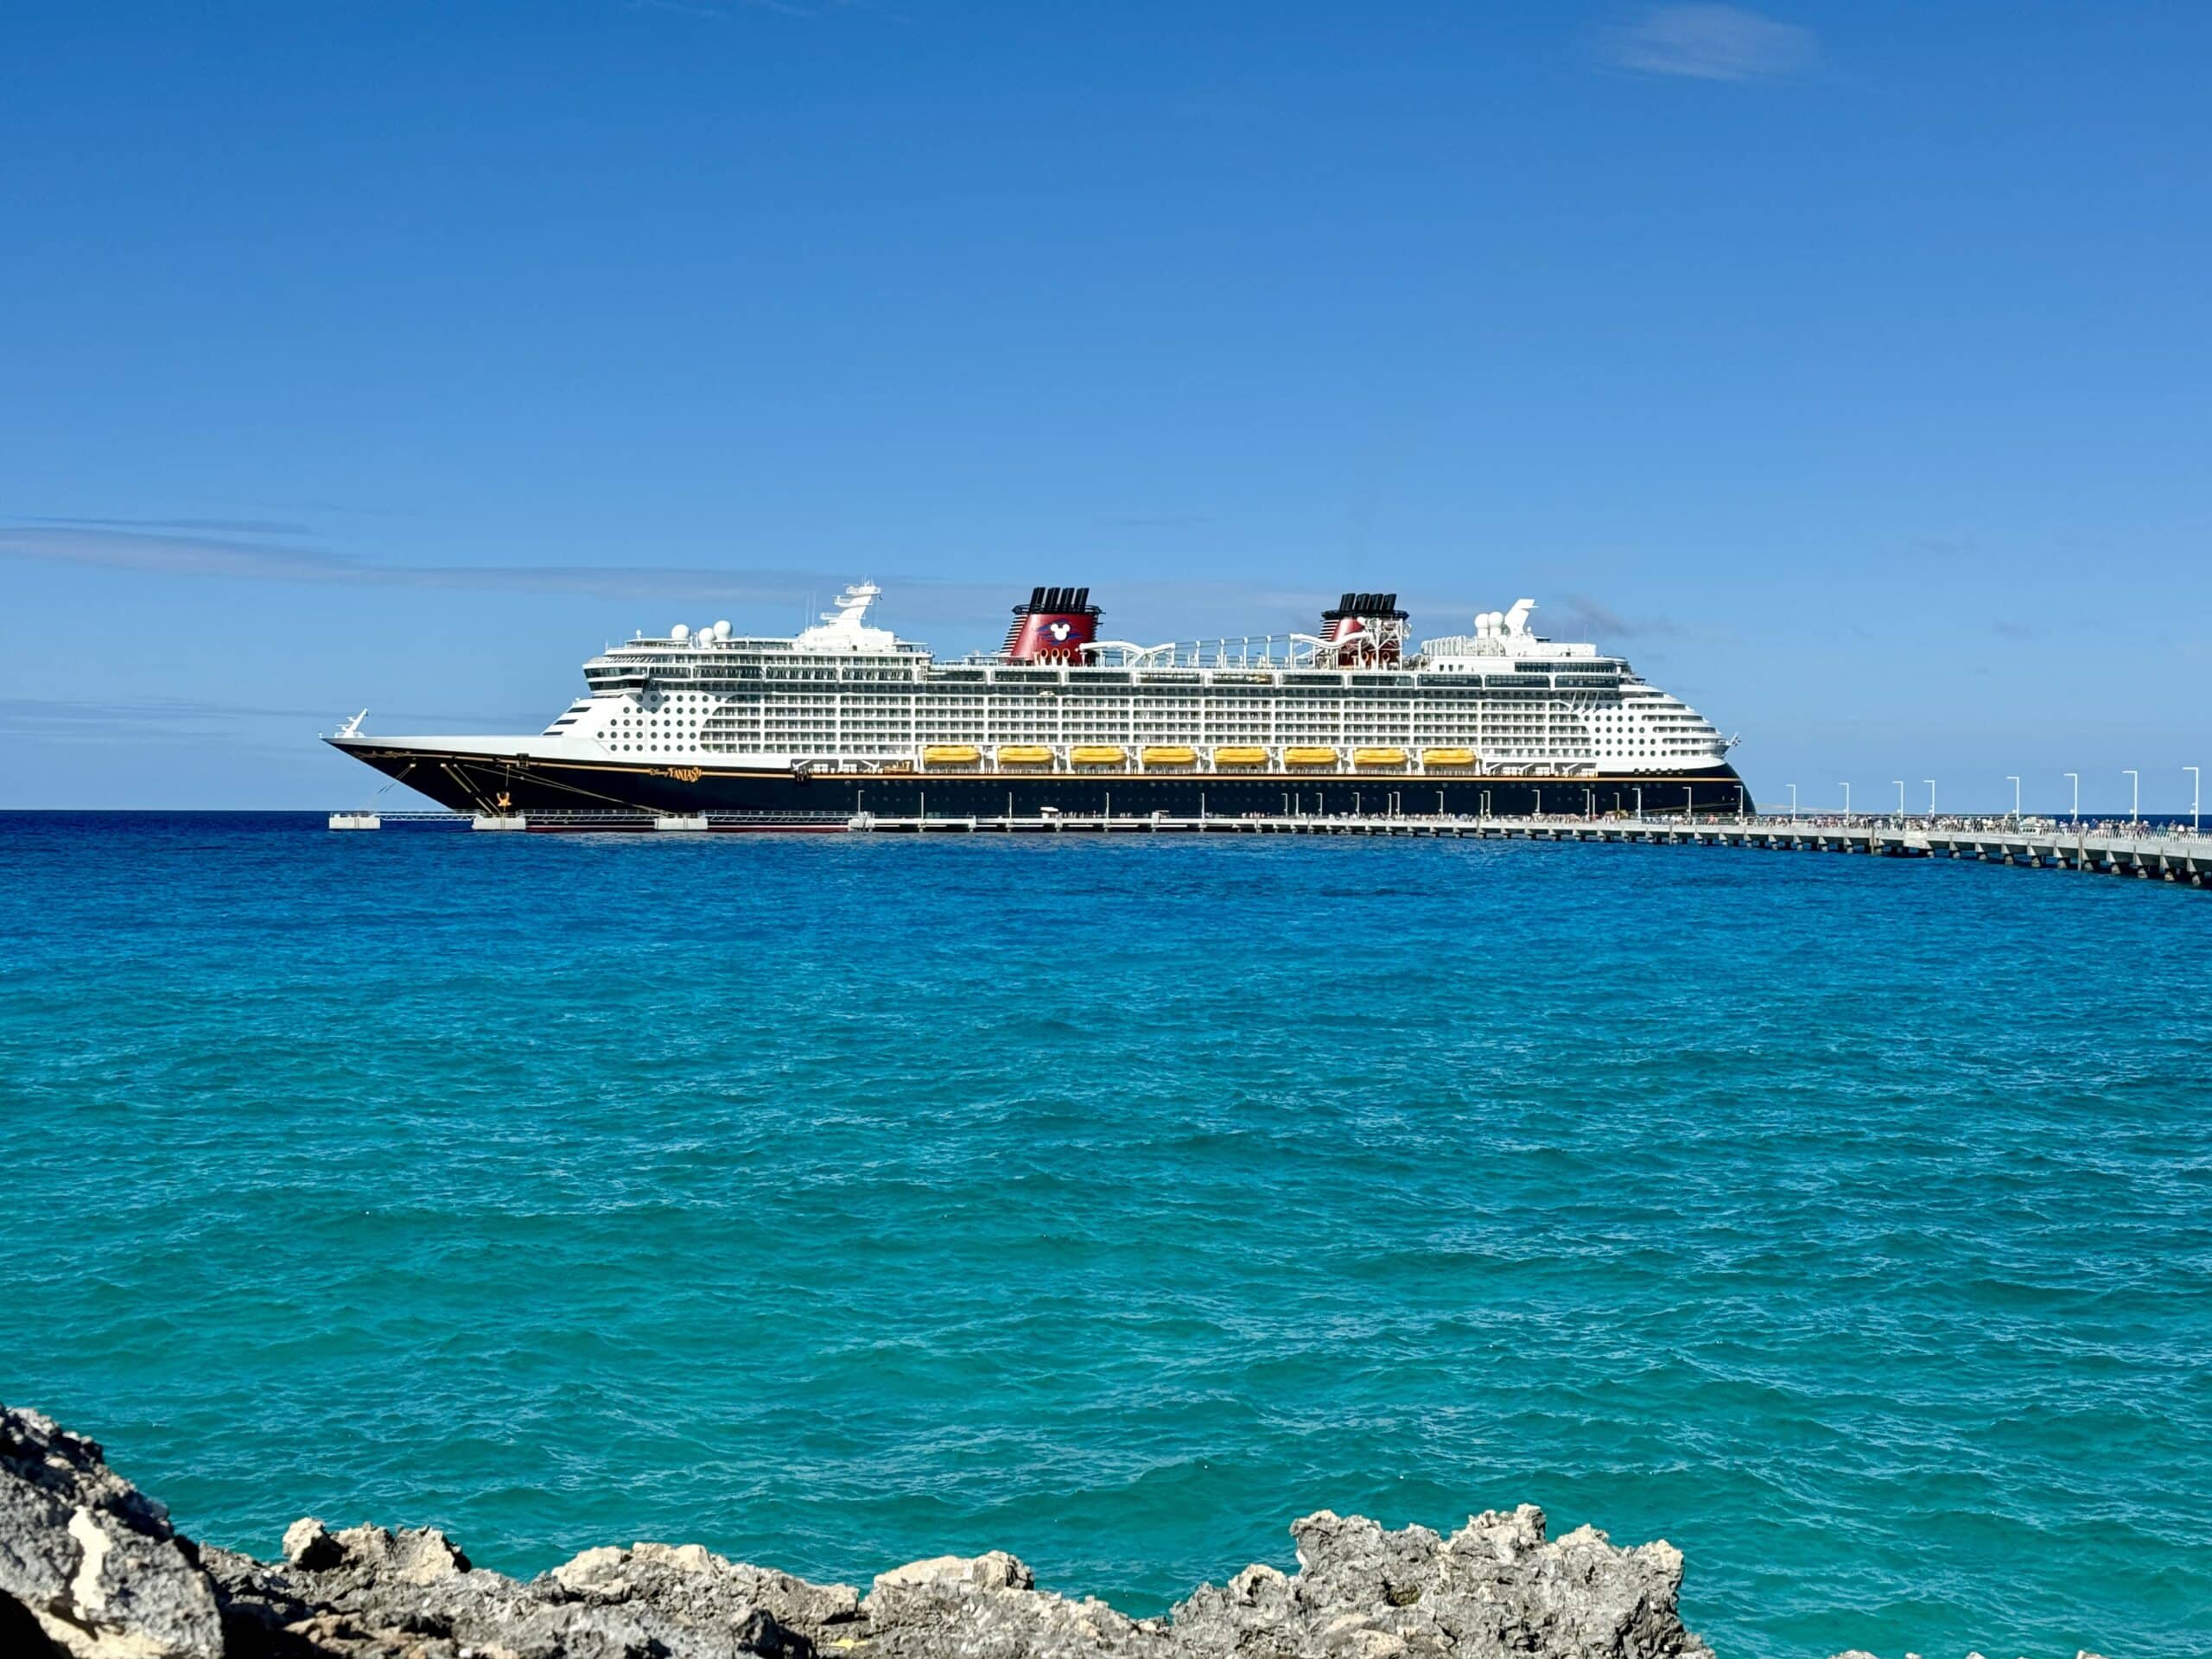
(1793, 802)
(2015, 782)
(2135, 799)
(2195, 796)
(2076, 777)
(1899, 782)
(1930, 782)
(1847, 805)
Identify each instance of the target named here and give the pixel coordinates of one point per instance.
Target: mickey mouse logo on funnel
(1052, 627)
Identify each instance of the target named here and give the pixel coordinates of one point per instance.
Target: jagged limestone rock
(704, 1592)
(307, 1544)
(986, 1607)
(100, 1576)
(1496, 1588)
(90, 1558)
(996, 1571)
(375, 1593)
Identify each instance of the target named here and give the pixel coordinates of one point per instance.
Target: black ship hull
(517, 784)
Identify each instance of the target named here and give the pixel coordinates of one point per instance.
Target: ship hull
(517, 784)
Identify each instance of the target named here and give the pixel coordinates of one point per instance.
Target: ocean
(836, 1200)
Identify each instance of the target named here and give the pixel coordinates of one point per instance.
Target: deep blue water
(834, 1200)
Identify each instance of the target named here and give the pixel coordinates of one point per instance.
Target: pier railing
(2171, 853)
(2175, 854)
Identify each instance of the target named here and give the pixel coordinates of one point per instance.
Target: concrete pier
(2172, 855)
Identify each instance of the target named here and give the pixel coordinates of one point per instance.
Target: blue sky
(1848, 368)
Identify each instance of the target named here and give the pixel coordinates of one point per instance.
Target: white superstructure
(846, 695)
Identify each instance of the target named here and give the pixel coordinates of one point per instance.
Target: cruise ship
(846, 718)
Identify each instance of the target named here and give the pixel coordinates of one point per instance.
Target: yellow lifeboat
(1239, 755)
(951, 754)
(1170, 755)
(1024, 755)
(1309, 756)
(1378, 757)
(1097, 754)
(1448, 757)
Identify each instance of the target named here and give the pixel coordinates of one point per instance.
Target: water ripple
(837, 1201)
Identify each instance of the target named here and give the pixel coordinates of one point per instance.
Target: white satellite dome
(680, 633)
(721, 629)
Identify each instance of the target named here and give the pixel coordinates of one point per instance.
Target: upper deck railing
(1274, 653)
(1256, 652)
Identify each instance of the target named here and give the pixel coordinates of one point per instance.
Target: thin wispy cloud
(219, 526)
(15, 712)
(134, 719)
(1146, 609)
(1708, 42)
(784, 592)
(1577, 616)
(162, 553)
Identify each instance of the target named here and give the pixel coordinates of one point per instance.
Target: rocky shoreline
(91, 1568)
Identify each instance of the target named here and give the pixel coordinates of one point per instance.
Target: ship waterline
(847, 718)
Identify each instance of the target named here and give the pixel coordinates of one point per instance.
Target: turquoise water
(837, 1200)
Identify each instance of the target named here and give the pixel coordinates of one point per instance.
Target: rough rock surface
(89, 1558)
(1497, 1587)
(1494, 1587)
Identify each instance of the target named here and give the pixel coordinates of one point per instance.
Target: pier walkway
(2169, 854)
(2179, 857)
